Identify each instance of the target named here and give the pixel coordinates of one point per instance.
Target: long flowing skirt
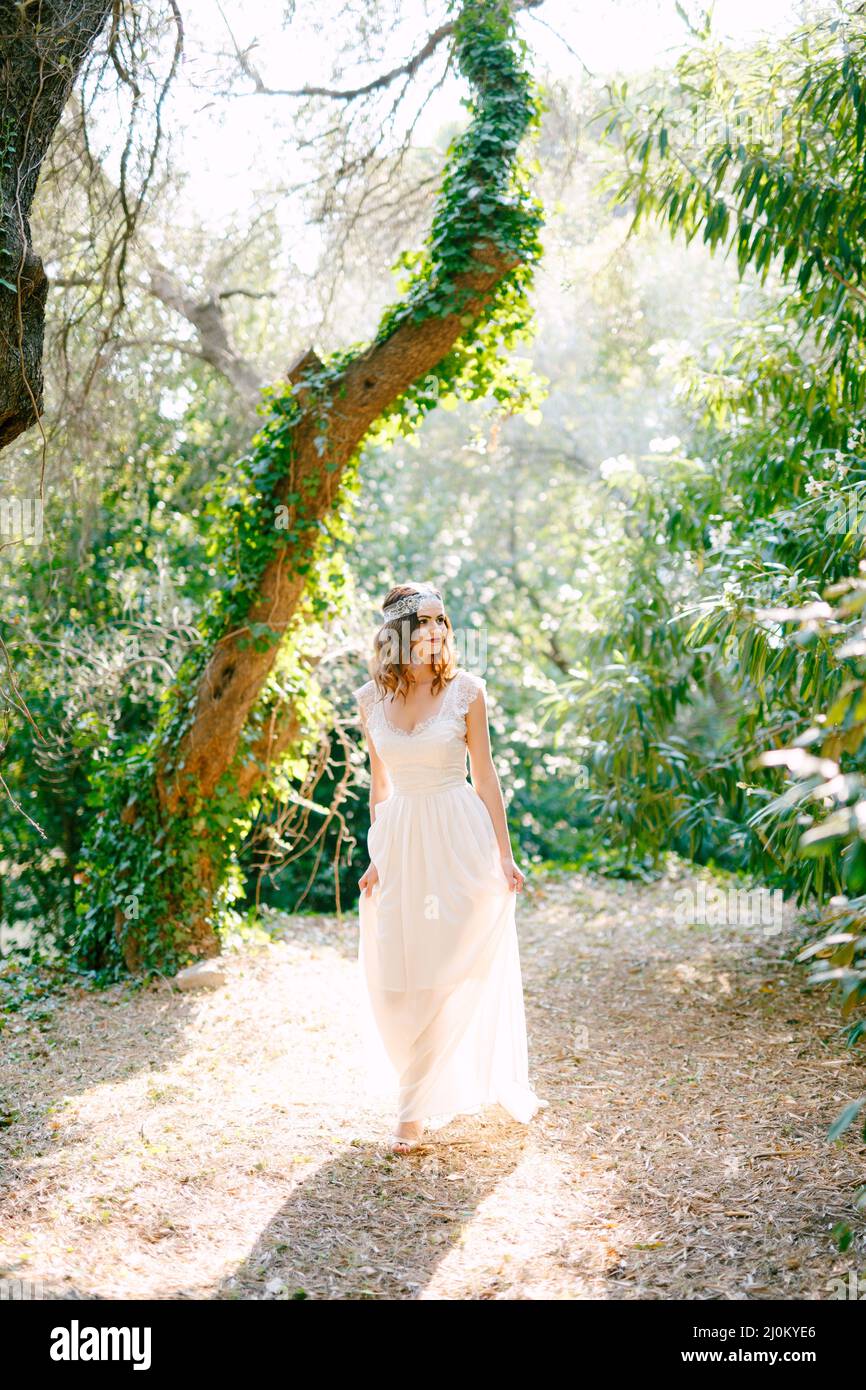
(441, 994)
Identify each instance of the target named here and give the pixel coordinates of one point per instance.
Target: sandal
(399, 1144)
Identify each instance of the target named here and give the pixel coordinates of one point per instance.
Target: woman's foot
(406, 1136)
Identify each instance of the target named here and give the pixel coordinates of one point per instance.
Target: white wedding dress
(441, 995)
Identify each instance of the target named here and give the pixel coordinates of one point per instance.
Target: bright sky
(234, 148)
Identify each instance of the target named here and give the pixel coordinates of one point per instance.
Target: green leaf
(845, 1118)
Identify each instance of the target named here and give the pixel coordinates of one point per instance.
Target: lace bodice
(433, 754)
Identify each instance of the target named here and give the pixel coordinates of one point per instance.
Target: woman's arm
(380, 780)
(485, 778)
(380, 788)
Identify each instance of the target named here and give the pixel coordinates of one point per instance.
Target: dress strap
(468, 687)
(365, 695)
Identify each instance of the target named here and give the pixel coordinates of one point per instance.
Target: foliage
(719, 729)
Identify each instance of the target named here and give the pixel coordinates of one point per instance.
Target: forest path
(219, 1145)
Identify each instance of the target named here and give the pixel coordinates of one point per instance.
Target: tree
(42, 51)
(174, 811)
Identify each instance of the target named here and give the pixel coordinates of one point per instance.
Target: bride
(441, 994)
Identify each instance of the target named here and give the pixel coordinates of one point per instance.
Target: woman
(441, 991)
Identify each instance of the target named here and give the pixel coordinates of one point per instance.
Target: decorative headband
(408, 604)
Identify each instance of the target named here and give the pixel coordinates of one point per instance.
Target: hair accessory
(410, 603)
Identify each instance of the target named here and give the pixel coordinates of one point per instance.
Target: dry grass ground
(220, 1145)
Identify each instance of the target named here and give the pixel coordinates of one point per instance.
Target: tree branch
(376, 84)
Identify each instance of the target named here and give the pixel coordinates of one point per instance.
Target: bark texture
(42, 48)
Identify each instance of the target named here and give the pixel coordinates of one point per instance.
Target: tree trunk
(204, 765)
(41, 52)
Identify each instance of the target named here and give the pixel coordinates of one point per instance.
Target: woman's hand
(513, 877)
(369, 879)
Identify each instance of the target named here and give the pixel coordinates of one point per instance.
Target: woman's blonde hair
(389, 671)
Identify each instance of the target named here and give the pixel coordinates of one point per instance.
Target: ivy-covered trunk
(174, 812)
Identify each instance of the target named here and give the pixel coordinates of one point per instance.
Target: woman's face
(429, 636)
